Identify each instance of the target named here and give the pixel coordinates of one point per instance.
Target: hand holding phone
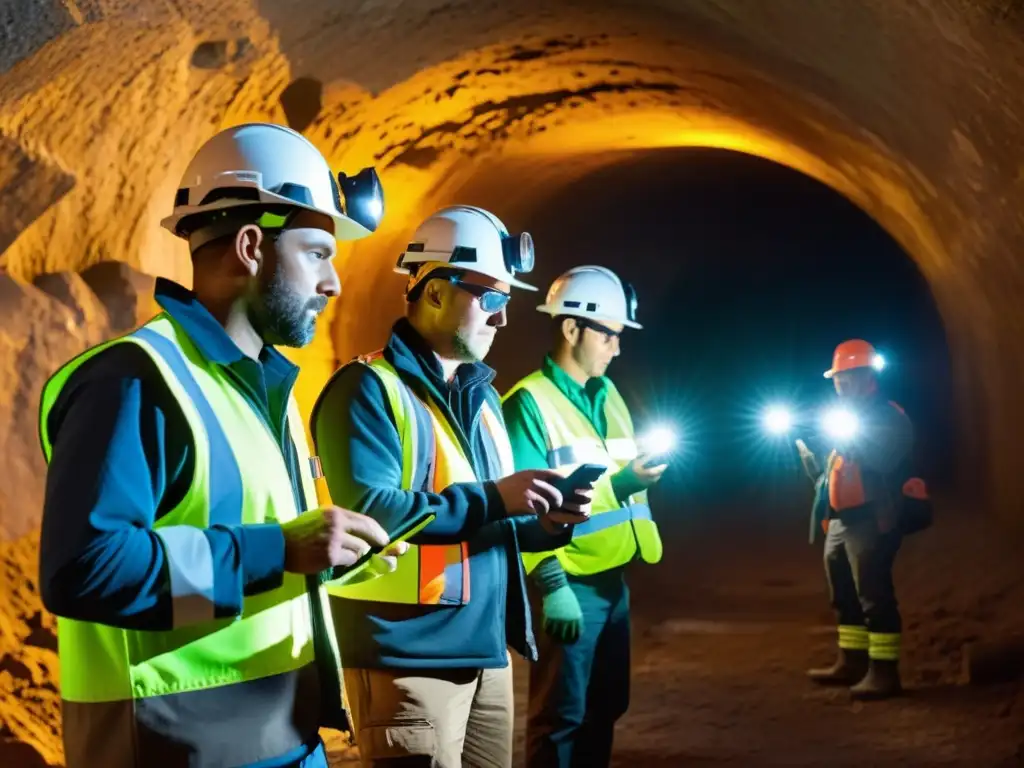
(577, 495)
(655, 460)
(583, 477)
(373, 560)
(648, 470)
(327, 537)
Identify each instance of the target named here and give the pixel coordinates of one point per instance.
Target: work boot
(881, 682)
(849, 668)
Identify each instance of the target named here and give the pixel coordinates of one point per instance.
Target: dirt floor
(720, 650)
(725, 627)
(723, 630)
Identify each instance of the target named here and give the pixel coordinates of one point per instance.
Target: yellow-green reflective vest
(240, 478)
(616, 533)
(432, 460)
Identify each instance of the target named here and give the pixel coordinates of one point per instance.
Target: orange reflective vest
(847, 490)
(432, 460)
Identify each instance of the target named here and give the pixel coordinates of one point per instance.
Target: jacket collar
(592, 390)
(413, 357)
(209, 335)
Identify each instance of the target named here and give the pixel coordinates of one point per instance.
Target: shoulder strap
(53, 386)
(412, 421)
(615, 400)
(523, 383)
(502, 460)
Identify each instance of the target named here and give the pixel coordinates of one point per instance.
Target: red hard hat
(851, 354)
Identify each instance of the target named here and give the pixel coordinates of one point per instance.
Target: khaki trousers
(436, 718)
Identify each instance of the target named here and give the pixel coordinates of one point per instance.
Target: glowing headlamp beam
(840, 424)
(778, 420)
(659, 441)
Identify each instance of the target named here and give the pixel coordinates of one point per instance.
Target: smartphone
(584, 476)
(404, 533)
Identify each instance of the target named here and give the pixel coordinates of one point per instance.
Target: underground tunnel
(870, 143)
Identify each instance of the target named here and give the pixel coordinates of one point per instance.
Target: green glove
(563, 618)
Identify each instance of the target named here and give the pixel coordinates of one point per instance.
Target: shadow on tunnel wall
(748, 275)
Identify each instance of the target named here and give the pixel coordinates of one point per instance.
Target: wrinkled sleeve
(528, 436)
(121, 457)
(360, 451)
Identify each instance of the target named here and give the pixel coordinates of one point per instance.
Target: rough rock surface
(911, 109)
(42, 325)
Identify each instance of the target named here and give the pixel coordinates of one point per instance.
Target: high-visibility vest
(616, 532)
(432, 460)
(240, 478)
(846, 489)
(906, 503)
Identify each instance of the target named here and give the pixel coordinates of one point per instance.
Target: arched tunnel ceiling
(911, 109)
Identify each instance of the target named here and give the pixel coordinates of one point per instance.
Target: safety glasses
(491, 299)
(595, 326)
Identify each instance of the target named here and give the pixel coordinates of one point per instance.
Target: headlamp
(631, 301)
(363, 198)
(518, 253)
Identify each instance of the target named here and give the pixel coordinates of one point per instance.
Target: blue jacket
(123, 457)
(361, 454)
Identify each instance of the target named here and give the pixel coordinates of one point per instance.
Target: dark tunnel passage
(748, 274)
(613, 131)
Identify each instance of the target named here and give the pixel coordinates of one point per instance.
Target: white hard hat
(592, 293)
(266, 164)
(473, 240)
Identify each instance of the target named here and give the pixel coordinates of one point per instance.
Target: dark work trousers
(858, 566)
(578, 691)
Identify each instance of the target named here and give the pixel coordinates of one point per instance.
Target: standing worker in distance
(861, 494)
(566, 414)
(417, 428)
(179, 549)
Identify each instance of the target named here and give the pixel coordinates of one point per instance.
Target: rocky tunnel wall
(912, 110)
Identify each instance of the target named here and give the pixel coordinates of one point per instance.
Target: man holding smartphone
(413, 430)
(181, 546)
(568, 415)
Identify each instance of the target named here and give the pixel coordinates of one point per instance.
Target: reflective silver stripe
(612, 518)
(580, 452)
(561, 457)
(190, 564)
